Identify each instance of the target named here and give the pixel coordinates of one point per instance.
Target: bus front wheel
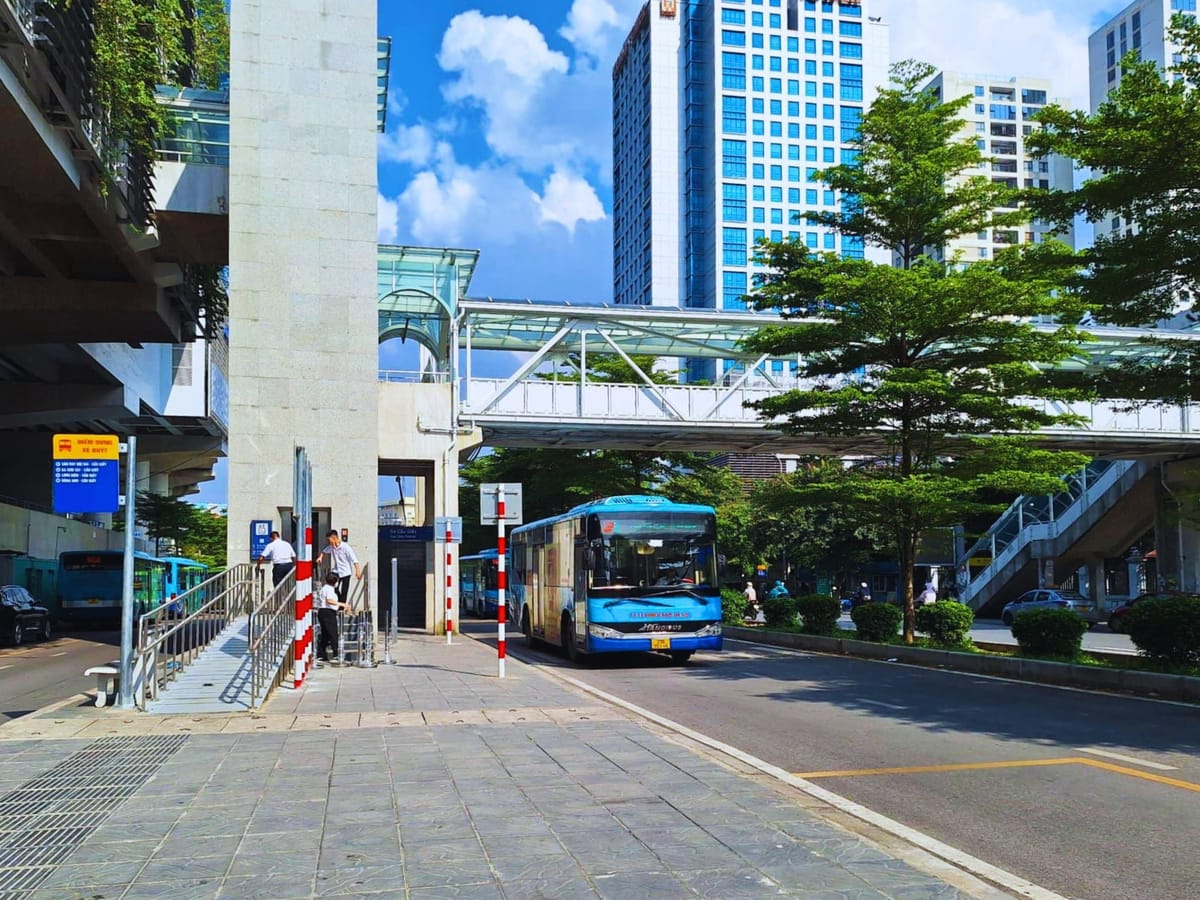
(679, 657)
(570, 648)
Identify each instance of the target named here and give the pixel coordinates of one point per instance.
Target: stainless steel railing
(272, 639)
(166, 646)
(356, 628)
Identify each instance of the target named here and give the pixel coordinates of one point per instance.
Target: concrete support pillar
(1097, 582)
(303, 324)
(1176, 540)
(160, 483)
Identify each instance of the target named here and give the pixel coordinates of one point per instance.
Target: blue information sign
(86, 473)
(260, 536)
(406, 534)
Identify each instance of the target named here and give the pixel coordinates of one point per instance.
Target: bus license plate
(93, 601)
(660, 643)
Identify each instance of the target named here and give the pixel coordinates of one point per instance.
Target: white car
(1049, 598)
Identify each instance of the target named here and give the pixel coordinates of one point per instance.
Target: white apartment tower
(1000, 117)
(1141, 26)
(723, 113)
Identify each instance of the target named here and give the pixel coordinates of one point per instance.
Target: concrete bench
(106, 680)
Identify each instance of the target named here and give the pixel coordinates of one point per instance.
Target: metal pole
(501, 582)
(392, 617)
(125, 690)
(449, 582)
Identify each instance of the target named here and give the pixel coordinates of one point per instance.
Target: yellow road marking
(950, 767)
(1006, 764)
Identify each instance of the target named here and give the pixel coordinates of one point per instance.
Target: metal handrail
(1035, 518)
(272, 639)
(356, 629)
(165, 647)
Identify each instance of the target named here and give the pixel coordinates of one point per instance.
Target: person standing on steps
(342, 562)
(328, 605)
(281, 556)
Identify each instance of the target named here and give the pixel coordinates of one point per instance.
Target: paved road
(1083, 829)
(36, 674)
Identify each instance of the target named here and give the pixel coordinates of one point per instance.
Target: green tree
(926, 365)
(164, 518)
(205, 540)
(1142, 146)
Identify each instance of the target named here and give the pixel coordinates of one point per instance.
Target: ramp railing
(167, 645)
(272, 639)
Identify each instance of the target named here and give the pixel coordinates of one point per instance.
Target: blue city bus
(619, 574)
(183, 574)
(89, 585)
(477, 575)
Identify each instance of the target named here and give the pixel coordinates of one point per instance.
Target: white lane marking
(9, 666)
(1129, 759)
(918, 839)
(64, 653)
(881, 703)
(1112, 695)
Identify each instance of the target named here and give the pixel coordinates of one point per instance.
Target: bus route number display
(86, 473)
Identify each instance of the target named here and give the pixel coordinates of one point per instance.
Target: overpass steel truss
(532, 409)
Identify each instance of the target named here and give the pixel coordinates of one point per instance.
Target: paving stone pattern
(557, 806)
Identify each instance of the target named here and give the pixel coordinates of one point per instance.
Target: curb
(1156, 685)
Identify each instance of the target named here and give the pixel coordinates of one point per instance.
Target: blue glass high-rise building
(723, 113)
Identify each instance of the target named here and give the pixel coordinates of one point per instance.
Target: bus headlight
(602, 631)
(710, 630)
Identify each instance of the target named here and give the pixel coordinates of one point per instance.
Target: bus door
(580, 586)
(534, 589)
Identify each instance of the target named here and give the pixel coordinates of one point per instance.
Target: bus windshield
(653, 550)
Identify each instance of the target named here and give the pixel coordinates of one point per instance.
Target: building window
(733, 202)
(733, 246)
(733, 38)
(850, 29)
(733, 159)
(733, 290)
(733, 114)
(733, 17)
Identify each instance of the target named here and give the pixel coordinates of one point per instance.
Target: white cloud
(539, 110)
(569, 200)
(412, 144)
(388, 226)
(1012, 37)
(591, 25)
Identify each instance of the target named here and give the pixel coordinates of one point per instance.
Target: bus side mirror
(589, 559)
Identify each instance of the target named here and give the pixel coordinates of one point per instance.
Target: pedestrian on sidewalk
(328, 604)
(280, 555)
(342, 562)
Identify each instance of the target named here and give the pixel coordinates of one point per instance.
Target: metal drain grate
(45, 819)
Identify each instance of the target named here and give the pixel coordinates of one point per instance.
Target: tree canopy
(933, 359)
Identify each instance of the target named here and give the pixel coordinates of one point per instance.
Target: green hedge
(780, 612)
(1166, 630)
(733, 607)
(877, 622)
(1050, 632)
(819, 613)
(947, 622)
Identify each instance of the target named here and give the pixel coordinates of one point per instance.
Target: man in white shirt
(342, 562)
(281, 556)
(328, 605)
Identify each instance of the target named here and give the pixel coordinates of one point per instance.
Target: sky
(499, 123)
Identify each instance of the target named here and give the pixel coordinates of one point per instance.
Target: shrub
(1049, 632)
(733, 607)
(1166, 630)
(877, 622)
(947, 622)
(819, 613)
(780, 612)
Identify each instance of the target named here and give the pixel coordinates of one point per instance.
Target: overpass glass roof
(418, 290)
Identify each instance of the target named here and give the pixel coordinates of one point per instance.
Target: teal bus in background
(89, 585)
(183, 574)
(636, 572)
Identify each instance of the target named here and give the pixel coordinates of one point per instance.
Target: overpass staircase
(1102, 511)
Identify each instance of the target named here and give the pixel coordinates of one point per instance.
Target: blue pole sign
(260, 536)
(86, 473)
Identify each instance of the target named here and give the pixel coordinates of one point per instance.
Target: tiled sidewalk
(477, 788)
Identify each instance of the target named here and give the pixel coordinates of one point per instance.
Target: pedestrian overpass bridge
(423, 295)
